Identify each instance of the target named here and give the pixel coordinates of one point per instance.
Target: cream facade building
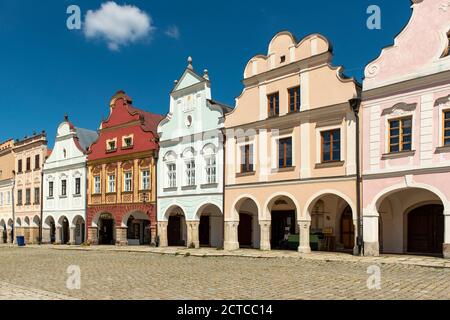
(29, 156)
(6, 191)
(290, 173)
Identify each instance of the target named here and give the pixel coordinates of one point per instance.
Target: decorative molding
(400, 109)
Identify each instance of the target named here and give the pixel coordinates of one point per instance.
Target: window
(172, 175)
(127, 142)
(19, 197)
(27, 197)
(331, 145)
(1, 199)
(50, 189)
(97, 185)
(190, 173)
(8, 197)
(145, 179)
(294, 99)
(37, 163)
(128, 180)
(19, 166)
(111, 183)
(28, 164)
(273, 104)
(447, 50)
(247, 158)
(283, 59)
(285, 153)
(77, 186)
(211, 169)
(37, 195)
(446, 126)
(111, 145)
(400, 134)
(63, 187)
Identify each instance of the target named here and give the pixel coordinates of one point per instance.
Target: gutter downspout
(223, 185)
(42, 205)
(355, 104)
(13, 231)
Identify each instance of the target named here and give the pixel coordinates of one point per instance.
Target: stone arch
(177, 232)
(312, 200)
(378, 199)
(173, 206)
(18, 222)
(76, 220)
(211, 222)
(36, 221)
(26, 222)
(244, 197)
(266, 215)
(136, 214)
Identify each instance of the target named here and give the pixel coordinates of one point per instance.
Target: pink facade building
(406, 138)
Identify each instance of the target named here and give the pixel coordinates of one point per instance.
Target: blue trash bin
(20, 241)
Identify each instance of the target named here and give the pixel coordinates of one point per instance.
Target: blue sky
(48, 70)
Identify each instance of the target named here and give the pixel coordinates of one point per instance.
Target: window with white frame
(64, 187)
(97, 185)
(190, 173)
(128, 181)
(171, 175)
(77, 186)
(145, 179)
(8, 197)
(50, 189)
(111, 183)
(210, 169)
(1, 198)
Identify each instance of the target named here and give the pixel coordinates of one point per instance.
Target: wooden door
(174, 231)
(245, 230)
(426, 229)
(204, 230)
(347, 229)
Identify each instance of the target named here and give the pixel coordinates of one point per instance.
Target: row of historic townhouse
(299, 163)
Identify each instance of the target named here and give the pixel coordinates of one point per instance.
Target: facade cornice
(121, 158)
(299, 181)
(400, 173)
(296, 118)
(120, 126)
(416, 84)
(199, 195)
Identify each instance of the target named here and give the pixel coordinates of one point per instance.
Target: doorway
(245, 230)
(106, 230)
(426, 229)
(204, 230)
(174, 231)
(283, 222)
(347, 229)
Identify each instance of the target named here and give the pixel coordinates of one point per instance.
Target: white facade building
(65, 177)
(190, 165)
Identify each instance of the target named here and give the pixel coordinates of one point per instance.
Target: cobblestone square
(41, 273)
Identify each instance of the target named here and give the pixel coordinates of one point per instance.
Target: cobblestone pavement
(41, 273)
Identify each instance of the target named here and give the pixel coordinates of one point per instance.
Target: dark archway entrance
(426, 229)
(175, 231)
(65, 236)
(204, 230)
(245, 230)
(347, 229)
(283, 223)
(106, 230)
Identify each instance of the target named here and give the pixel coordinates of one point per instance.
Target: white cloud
(173, 32)
(117, 25)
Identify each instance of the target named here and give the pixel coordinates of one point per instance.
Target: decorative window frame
(443, 105)
(108, 149)
(141, 179)
(209, 151)
(399, 111)
(124, 145)
(274, 142)
(324, 128)
(94, 191)
(243, 141)
(124, 173)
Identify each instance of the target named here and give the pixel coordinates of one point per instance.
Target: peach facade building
(29, 156)
(290, 172)
(6, 191)
(406, 138)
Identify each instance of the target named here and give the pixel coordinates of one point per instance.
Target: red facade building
(122, 177)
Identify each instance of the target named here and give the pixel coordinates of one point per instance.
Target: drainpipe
(13, 206)
(41, 195)
(223, 185)
(155, 161)
(355, 104)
